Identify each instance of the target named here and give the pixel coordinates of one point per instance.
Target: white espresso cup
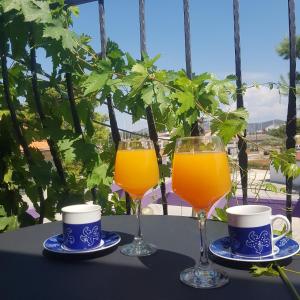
(81, 226)
(250, 230)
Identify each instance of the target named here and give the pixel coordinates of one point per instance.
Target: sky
(263, 24)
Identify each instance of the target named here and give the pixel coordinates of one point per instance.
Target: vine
(61, 106)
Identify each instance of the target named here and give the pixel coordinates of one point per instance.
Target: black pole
(112, 118)
(71, 98)
(188, 57)
(39, 108)
(111, 113)
(242, 145)
(149, 114)
(75, 117)
(291, 114)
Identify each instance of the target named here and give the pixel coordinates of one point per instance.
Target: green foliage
(285, 162)
(7, 223)
(228, 125)
(220, 214)
(87, 156)
(283, 49)
(267, 271)
(278, 132)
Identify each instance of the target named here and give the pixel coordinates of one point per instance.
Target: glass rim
(133, 142)
(136, 140)
(202, 139)
(198, 137)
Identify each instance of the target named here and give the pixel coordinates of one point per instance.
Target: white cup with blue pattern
(250, 230)
(81, 226)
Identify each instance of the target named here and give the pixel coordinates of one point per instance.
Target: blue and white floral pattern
(90, 236)
(283, 241)
(68, 236)
(82, 236)
(287, 247)
(55, 244)
(258, 241)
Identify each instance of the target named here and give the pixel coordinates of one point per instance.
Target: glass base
(203, 278)
(138, 248)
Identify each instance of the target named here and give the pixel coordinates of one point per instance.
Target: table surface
(28, 272)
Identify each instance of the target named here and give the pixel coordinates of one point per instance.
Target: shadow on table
(163, 261)
(31, 276)
(125, 239)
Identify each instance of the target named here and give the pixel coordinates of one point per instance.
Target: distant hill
(254, 127)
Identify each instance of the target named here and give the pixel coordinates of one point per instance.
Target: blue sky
(263, 24)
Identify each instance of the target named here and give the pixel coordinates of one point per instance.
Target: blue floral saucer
(287, 248)
(55, 244)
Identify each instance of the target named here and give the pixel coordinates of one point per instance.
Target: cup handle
(287, 223)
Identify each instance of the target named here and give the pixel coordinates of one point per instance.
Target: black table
(27, 272)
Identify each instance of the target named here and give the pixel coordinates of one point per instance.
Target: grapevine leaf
(138, 68)
(75, 10)
(2, 211)
(221, 214)
(98, 176)
(186, 99)
(147, 95)
(9, 5)
(8, 223)
(57, 32)
(37, 11)
(131, 61)
(267, 271)
(94, 83)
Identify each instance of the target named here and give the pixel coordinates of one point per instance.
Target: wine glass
(201, 176)
(136, 171)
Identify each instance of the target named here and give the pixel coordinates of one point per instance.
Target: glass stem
(138, 236)
(203, 260)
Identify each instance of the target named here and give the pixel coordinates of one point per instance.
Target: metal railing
(242, 145)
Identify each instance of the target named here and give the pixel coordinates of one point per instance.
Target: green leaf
(150, 62)
(138, 68)
(270, 187)
(8, 176)
(2, 211)
(66, 147)
(131, 61)
(165, 170)
(94, 83)
(9, 5)
(42, 172)
(147, 95)
(228, 129)
(74, 10)
(38, 11)
(231, 77)
(285, 162)
(8, 223)
(260, 271)
(221, 214)
(3, 113)
(186, 99)
(98, 176)
(57, 32)
(53, 32)
(228, 125)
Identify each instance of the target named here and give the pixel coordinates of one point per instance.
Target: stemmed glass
(201, 177)
(136, 171)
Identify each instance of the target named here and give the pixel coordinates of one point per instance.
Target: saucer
(287, 247)
(55, 244)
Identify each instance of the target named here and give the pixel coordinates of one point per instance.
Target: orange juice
(136, 171)
(201, 178)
